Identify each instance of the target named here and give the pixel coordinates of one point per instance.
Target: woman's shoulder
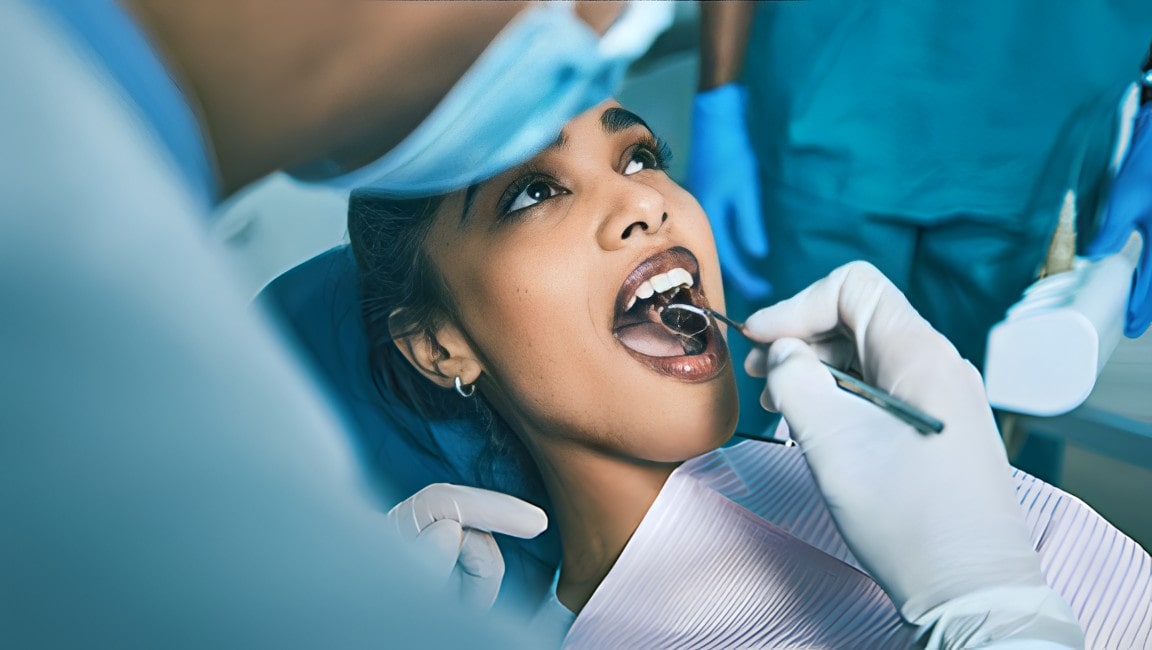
(1103, 574)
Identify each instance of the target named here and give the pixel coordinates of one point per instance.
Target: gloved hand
(932, 517)
(452, 526)
(1130, 209)
(722, 175)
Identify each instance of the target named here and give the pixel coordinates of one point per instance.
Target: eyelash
(659, 152)
(531, 175)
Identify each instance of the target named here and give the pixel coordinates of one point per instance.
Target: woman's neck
(599, 501)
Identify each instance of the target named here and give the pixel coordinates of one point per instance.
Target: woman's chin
(690, 433)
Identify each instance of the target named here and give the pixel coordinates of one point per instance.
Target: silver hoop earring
(465, 390)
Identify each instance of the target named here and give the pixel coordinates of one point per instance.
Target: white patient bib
(739, 551)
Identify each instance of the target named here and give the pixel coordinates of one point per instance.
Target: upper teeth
(661, 283)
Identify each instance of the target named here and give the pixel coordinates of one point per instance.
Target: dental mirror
(686, 320)
(690, 321)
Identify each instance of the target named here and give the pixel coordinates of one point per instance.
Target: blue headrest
(318, 302)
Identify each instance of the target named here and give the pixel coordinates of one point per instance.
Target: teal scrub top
(925, 110)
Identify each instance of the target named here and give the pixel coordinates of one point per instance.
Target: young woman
(537, 294)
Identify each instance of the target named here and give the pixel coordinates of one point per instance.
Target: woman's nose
(634, 210)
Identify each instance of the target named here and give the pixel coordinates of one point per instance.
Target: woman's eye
(641, 159)
(533, 193)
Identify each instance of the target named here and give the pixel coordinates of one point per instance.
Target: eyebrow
(560, 142)
(616, 119)
(612, 120)
(469, 197)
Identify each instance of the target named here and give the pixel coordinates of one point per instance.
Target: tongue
(651, 339)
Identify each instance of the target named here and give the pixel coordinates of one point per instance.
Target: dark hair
(403, 294)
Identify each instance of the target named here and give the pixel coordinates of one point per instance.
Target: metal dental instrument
(691, 320)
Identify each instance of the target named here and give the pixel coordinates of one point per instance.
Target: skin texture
(535, 296)
(277, 84)
(723, 38)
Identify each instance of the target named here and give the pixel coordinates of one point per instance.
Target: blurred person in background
(172, 476)
(935, 141)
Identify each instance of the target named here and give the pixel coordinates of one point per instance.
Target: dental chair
(318, 304)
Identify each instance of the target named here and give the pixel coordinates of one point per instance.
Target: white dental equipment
(1044, 357)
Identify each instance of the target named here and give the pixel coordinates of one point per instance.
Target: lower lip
(696, 368)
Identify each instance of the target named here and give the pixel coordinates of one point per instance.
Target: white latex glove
(452, 526)
(932, 517)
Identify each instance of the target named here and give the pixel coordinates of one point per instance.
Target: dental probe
(919, 420)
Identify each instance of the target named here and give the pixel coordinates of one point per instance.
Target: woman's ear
(440, 354)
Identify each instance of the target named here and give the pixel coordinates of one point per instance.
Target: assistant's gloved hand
(1130, 209)
(933, 518)
(452, 526)
(722, 175)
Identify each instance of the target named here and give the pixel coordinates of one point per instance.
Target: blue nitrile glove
(722, 174)
(1130, 209)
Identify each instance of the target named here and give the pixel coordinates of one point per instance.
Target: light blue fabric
(331, 332)
(124, 50)
(169, 475)
(544, 68)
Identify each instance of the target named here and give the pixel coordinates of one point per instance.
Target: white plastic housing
(1044, 357)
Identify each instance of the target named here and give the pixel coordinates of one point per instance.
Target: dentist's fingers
(467, 561)
(481, 568)
(802, 390)
(439, 543)
(452, 525)
(849, 297)
(896, 350)
(839, 352)
(480, 555)
(756, 363)
(472, 507)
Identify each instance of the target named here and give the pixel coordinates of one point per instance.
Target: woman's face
(558, 269)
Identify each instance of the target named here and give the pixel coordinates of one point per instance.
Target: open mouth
(669, 277)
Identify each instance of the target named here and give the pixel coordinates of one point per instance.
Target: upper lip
(661, 262)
